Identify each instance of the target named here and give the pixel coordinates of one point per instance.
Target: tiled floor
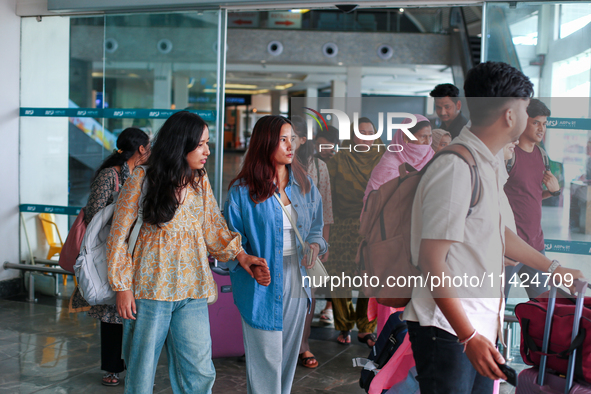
(44, 349)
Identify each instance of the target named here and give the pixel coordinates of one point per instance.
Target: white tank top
(289, 244)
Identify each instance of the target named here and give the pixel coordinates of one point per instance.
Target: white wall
(45, 63)
(9, 106)
(262, 102)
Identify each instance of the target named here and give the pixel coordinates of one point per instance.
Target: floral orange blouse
(170, 262)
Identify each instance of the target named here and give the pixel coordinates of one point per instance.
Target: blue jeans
(184, 325)
(442, 365)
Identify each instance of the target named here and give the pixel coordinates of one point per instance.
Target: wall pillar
(312, 97)
(162, 90)
(275, 102)
(44, 150)
(338, 97)
(181, 91)
(354, 75)
(546, 27)
(10, 30)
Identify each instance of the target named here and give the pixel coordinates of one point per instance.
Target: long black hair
(305, 150)
(168, 169)
(128, 142)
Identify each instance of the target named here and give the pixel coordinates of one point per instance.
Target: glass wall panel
(86, 79)
(89, 141)
(44, 141)
(551, 44)
(573, 17)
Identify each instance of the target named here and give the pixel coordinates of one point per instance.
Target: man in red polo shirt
(527, 173)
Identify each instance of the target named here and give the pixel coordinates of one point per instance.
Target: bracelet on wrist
(465, 341)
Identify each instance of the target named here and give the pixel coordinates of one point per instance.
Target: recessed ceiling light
(237, 86)
(283, 87)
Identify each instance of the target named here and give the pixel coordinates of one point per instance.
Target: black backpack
(392, 335)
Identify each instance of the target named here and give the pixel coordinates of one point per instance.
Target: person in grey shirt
(449, 108)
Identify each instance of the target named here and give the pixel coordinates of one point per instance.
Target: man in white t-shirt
(453, 327)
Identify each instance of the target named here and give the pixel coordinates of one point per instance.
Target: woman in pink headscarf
(402, 150)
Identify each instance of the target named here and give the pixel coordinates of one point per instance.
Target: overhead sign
(238, 99)
(569, 247)
(243, 19)
(55, 209)
(569, 123)
(284, 20)
(112, 113)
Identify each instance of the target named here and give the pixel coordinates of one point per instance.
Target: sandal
(326, 316)
(369, 337)
(110, 379)
(308, 362)
(346, 338)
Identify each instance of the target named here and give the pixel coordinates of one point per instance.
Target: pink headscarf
(387, 169)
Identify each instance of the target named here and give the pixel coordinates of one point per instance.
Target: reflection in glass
(407, 20)
(574, 17)
(137, 61)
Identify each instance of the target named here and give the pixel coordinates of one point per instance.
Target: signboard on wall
(238, 99)
(569, 123)
(284, 20)
(243, 19)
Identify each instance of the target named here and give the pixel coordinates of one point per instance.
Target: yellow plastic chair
(48, 223)
(55, 248)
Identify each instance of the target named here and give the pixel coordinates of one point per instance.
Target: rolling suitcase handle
(580, 287)
(222, 269)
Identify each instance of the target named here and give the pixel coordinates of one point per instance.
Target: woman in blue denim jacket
(273, 305)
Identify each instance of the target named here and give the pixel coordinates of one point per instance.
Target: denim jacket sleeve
(221, 243)
(234, 220)
(317, 223)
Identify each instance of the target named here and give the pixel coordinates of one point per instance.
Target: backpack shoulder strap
(464, 153)
(545, 157)
(116, 179)
(509, 164)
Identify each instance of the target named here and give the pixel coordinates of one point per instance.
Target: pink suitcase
(535, 380)
(224, 319)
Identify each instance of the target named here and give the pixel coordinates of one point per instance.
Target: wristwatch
(556, 193)
(555, 264)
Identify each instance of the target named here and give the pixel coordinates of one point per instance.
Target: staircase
(475, 49)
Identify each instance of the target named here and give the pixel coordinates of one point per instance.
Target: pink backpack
(71, 248)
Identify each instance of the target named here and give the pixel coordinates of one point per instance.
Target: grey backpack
(91, 266)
